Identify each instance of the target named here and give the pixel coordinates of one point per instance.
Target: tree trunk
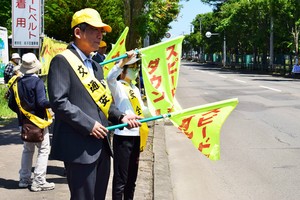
(295, 32)
(132, 9)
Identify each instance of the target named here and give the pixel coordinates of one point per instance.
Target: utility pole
(271, 33)
(271, 41)
(42, 31)
(191, 30)
(224, 51)
(200, 49)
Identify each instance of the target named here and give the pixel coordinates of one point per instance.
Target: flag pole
(187, 110)
(110, 128)
(125, 55)
(117, 58)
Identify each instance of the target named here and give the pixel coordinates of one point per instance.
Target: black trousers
(126, 163)
(89, 181)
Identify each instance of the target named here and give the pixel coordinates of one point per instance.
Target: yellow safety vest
(144, 131)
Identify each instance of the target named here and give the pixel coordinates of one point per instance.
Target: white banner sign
(3, 51)
(26, 24)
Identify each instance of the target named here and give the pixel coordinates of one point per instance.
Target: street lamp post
(200, 49)
(209, 34)
(191, 50)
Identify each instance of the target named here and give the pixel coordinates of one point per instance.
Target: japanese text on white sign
(26, 23)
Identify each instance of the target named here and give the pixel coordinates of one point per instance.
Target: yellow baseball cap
(102, 44)
(90, 16)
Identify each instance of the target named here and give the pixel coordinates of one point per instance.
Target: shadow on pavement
(8, 183)
(62, 180)
(56, 170)
(10, 138)
(9, 133)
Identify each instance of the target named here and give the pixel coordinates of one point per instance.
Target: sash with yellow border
(138, 111)
(39, 122)
(98, 90)
(12, 80)
(10, 83)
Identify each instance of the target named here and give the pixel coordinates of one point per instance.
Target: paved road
(260, 143)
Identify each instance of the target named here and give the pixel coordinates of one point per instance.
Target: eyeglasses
(98, 30)
(103, 31)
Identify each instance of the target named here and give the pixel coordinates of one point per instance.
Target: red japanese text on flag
(160, 68)
(202, 125)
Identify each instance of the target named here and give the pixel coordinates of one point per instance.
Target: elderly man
(9, 68)
(82, 103)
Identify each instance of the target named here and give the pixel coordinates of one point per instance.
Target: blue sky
(187, 14)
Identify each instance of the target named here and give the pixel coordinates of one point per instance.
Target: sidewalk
(153, 179)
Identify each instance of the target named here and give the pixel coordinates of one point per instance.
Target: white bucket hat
(15, 56)
(132, 60)
(30, 64)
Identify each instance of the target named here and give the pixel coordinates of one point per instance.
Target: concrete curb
(162, 177)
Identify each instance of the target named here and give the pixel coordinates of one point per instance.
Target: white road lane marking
(269, 88)
(237, 80)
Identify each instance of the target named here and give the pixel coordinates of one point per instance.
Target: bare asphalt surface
(153, 169)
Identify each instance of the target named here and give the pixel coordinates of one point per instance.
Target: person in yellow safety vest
(127, 143)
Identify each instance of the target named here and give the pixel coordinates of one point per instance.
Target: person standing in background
(32, 95)
(100, 55)
(9, 68)
(126, 143)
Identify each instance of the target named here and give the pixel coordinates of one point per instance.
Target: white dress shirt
(87, 61)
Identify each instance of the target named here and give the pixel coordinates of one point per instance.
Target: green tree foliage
(289, 22)
(159, 15)
(212, 2)
(5, 14)
(58, 16)
(149, 17)
(143, 17)
(216, 3)
(209, 23)
(246, 24)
